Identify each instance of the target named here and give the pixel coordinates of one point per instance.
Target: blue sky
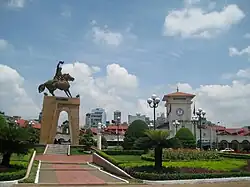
(41, 32)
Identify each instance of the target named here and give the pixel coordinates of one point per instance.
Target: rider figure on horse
(58, 76)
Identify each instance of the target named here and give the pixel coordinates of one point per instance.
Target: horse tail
(41, 88)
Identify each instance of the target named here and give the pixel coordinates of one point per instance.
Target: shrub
(184, 154)
(186, 138)
(18, 167)
(134, 131)
(235, 155)
(8, 176)
(124, 152)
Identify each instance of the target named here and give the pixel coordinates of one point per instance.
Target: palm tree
(156, 139)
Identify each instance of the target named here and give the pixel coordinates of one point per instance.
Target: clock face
(179, 112)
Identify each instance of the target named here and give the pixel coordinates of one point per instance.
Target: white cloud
(197, 23)
(243, 73)
(14, 99)
(106, 36)
(3, 44)
(235, 52)
(247, 35)
(16, 3)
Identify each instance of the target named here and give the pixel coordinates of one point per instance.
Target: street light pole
(153, 102)
(99, 136)
(194, 121)
(117, 123)
(176, 124)
(201, 115)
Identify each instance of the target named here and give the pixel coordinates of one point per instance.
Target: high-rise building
(98, 115)
(117, 115)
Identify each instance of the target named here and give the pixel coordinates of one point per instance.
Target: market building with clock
(179, 107)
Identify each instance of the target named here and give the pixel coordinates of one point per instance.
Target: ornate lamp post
(195, 121)
(99, 136)
(117, 124)
(201, 115)
(153, 102)
(176, 124)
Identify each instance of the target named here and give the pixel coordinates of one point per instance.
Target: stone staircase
(57, 149)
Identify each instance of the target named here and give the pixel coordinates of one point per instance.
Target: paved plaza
(69, 170)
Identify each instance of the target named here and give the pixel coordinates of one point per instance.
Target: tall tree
(135, 130)
(13, 139)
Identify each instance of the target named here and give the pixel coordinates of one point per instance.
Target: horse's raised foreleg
(51, 92)
(66, 93)
(69, 93)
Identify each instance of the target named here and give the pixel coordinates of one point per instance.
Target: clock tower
(178, 107)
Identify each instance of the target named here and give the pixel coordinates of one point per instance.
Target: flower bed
(184, 154)
(173, 173)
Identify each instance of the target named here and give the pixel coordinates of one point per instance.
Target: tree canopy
(13, 139)
(135, 130)
(186, 138)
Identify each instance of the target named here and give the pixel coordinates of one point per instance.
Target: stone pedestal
(52, 107)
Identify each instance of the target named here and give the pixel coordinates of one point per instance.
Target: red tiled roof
(36, 125)
(177, 94)
(116, 127)
(21, 122)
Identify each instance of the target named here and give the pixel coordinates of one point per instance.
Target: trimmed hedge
(124, 152)
(8, 176)
(107, 157)
(235, 155)
(147, 157)
(183, 176)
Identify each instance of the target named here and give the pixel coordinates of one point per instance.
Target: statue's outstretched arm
(58, 65)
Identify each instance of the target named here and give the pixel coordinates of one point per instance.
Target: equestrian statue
(60, 81)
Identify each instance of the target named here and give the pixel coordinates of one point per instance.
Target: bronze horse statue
(62, 84)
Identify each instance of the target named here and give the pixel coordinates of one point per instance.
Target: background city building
(117, 115)
(97, 115)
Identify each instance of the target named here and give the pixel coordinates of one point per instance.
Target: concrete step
(57, 149)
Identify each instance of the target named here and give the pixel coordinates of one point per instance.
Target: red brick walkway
(65, 158)
(62, 169)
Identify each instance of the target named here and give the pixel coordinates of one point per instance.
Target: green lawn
(40, 150)
(128, 158)
(223, 165)
(77, 151)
